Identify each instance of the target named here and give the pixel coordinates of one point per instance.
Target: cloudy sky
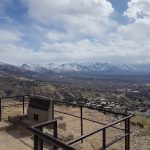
(58, 31)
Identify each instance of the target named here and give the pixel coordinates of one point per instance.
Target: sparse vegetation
(141, 122)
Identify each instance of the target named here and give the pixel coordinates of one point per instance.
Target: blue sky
(35, 31)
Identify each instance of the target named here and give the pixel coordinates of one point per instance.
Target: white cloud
(83, 16)
(82, 50)
(56, 36)
(9, 36)
(11, 48)
(81, 30)
(53, 10)
(138, 9)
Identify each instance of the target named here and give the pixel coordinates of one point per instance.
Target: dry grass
(13, 111)
(141, 119)
(142, 122)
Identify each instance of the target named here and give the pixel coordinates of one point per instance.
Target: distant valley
(120, 86)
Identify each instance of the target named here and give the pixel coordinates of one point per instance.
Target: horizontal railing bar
(14, 104)
(118, 121)
(67, 114)
(102, 123)
(115, 141)
(22, 95)
(40, 125)
(87, 119)
(108, 111)
(98, 109)
(97, 130)
(13, 96)
(84, 136)
(50, 139)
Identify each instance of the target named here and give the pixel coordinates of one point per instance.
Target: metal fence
(40, 136)
(13, 101)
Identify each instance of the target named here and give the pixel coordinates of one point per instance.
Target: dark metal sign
(39, 103)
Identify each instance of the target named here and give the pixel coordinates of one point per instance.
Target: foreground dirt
(15, 139)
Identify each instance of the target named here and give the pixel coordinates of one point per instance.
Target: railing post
(0, 109)
(81, 119)
(38, 142)
(55, 130)
(55, 134)
(23, 103)
(41, 140)
(127, 131)
(52, 109)
(104, 139)
(35, 142)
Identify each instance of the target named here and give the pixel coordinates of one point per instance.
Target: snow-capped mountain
(39, 70)
(8, 69)
(88, 67)
(34, 67)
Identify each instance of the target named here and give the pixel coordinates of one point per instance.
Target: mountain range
(89, 67)
(76, 67)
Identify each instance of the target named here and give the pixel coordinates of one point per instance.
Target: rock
(16, 119)
(61, 124)
(65, 135)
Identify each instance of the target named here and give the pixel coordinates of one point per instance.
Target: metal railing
(104, 145)
(10, 97)
(40, 136)
(125, 119)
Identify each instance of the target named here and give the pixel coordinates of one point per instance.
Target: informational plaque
(39, 103)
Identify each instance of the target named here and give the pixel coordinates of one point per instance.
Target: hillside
(120, 92)
(12, 70)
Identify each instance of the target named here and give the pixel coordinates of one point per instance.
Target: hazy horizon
(80, 62)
